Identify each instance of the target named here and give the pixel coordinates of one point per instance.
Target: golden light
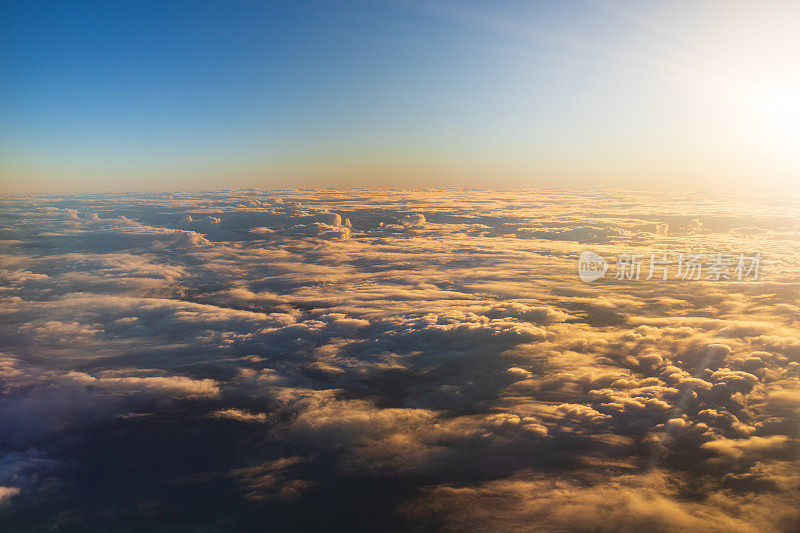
(774, 112)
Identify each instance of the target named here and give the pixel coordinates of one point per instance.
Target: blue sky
(146, 94)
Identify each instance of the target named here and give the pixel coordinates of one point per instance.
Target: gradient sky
(159, 95)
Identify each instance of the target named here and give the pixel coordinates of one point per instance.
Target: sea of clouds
(397, 359)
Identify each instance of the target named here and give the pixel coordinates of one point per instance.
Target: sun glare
(775, 113)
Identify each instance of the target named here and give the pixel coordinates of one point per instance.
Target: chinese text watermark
(670, 266)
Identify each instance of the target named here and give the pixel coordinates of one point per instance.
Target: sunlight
(775, 115)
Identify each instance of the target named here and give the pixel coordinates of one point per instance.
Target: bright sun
(776, 111)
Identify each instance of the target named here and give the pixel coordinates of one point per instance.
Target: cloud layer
(397, 359)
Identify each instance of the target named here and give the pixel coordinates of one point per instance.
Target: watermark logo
(665, 266)
(591, 267)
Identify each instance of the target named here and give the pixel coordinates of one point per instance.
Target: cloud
(583, 234)
(736, 448)
(626, 503)
(269, 481)
(162, 386)
(289, 354)
(6, 493)
(239, 415)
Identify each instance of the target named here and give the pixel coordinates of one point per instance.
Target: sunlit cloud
(438, 341)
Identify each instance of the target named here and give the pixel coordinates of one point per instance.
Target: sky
(165, 95)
